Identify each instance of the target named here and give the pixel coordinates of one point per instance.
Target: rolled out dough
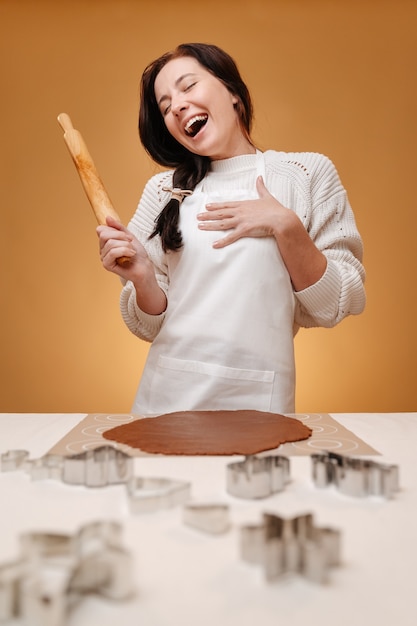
(210, 432)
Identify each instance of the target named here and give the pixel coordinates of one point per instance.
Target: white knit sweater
(307, 183)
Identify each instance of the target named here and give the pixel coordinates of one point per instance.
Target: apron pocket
(180, 384)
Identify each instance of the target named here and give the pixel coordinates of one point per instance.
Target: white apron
(227, 338)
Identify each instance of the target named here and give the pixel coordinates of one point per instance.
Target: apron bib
(227, 338)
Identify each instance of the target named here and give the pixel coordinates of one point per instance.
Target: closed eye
(166, 110)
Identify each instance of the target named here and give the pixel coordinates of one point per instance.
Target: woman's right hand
(117, 241)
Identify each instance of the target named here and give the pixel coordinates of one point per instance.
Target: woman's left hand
(263, 217)
(267, 217)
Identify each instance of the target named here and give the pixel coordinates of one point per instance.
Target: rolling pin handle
(65, 122)
(93, 186)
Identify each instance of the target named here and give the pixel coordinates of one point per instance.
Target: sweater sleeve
(153, 199)
(331, 225)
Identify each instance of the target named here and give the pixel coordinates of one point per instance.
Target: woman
(231, 249)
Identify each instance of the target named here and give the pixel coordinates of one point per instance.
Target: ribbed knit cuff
(152, 323)
(321, 299)
(140, 323)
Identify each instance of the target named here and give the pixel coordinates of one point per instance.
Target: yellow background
(337, 77)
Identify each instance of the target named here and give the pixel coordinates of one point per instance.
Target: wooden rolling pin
(92, 183)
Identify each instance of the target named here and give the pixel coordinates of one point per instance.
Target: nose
(178, 104)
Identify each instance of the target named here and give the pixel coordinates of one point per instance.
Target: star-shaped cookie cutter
(354, 476)
(54, 570)
(285, 546)
(257, 477)
(101, 467)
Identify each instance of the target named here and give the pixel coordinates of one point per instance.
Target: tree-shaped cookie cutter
(354, 476)
(101, 467)
(257, 477)
(287, 546)
(55, 570)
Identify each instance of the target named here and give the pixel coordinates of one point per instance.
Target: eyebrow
(177, 82)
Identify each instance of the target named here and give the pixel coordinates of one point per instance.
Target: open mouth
(195, 124)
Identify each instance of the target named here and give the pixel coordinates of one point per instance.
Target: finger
(113, 251)
(224, 224)
(212, 217)
(260, 187)
(215, 206)
(113, 230)
(204, 217)
(218, 214)
(113, 223)
(226, 241)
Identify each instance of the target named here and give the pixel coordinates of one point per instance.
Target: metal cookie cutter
(282, 546)
(152, 494)
(210, 518)
(353, 476)
(14, 460)
(100, 467)
(97, 468)
(257, 477)
(55, 570)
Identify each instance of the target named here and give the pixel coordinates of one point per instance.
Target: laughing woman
(232, 249)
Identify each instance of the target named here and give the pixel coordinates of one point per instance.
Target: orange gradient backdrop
(326, 76)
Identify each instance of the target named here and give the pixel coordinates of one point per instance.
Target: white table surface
(186, 577)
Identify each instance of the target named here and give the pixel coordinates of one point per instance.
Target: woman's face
(199, 111)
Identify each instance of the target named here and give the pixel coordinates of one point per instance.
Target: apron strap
(260, 164)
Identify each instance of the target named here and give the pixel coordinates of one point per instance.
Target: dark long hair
(189, 168)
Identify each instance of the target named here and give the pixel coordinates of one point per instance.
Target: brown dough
(210, 432)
